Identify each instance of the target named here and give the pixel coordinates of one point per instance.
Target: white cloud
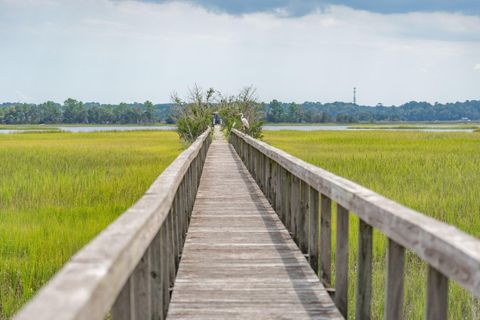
(125, 51)
(476, 67)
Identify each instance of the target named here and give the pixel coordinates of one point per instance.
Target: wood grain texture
(303, 218)
(239, 261)
(326, 240)
(141, 292)
(449, 250)
(437, 295)
(122, 308)
(363, 296)
(341, 261)
(314, 228)
(89, 283)
(394, 285)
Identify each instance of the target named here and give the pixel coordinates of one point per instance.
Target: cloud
(476, 67)
(302, 7)
(113, 51)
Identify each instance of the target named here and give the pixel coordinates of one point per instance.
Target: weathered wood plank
(341, 261)
(314, 228)
(363, 288)
(303, 218)
(295, 208)
(141, 292)
(156, 288)
(122, 308)
(437, 295)
(239, 261)
(446, 248)
(326, 240)
(394, 284)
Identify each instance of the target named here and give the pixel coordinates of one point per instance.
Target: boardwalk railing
(129, 268)
(297, 190)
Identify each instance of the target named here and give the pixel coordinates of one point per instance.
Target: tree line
(316, 112)
(73, 111)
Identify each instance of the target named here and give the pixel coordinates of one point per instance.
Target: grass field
(435, 173)
(58, 190)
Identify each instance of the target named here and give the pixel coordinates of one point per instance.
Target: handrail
(449, 252)
(131, 265)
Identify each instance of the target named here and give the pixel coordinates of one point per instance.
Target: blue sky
(127, 50)
(302, 7)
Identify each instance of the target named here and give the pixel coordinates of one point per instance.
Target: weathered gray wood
(303, 218)
(295, 208)
(314, 228)
(122, 308)
(273, 185)
(341, 261)
(141, 293)
(289, 218)
(239, 262)
(156, 288)
(437, 295)
(363, 295)
(394, 284)
(326, 240)
(446, 248)
(165, 269)
(171, 250)
(88, 285)
(279, 192)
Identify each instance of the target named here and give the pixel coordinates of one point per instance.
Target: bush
(194, 117)
(245, 103)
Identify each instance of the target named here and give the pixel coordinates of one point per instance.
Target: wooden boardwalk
(239, 261)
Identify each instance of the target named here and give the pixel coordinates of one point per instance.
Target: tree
(194, 116)
(244, 103)
(275, 113)
(149, 113)
(74, 111)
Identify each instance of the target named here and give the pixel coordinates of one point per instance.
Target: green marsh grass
(59, 190)
(435, 173)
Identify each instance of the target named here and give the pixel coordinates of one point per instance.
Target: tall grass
(435, 173)
(58, 190)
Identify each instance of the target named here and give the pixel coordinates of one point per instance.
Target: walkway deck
(239, 261)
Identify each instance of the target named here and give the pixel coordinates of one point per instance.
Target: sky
(113, 51)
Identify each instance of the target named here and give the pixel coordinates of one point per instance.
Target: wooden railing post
(394, 284)
(303, 218)
(287, 196)
(156, 288)
(326, 240)
(364, 271)
(165, 267)
(279, 192)
(313, 242)
(295, 207)
(437, 295)
(141, 288)
(122, 308)
(341, 261)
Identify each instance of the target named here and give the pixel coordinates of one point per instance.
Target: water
(347, 128)
(114, 128)
(306, 128)
(95, 129)
(266, 127)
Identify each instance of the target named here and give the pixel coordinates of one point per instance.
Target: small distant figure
(216, 119)
(244, 121)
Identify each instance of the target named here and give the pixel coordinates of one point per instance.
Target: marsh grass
(58, 190)
(435, 173)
